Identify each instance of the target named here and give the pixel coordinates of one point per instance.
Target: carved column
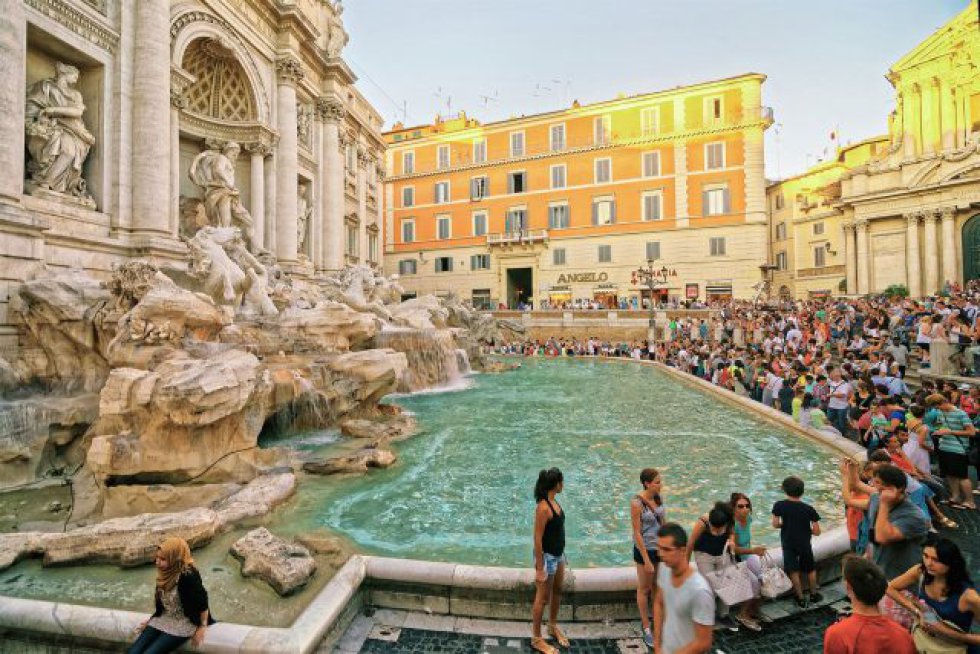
(850, 262)
(947, 109)
(13, 48)
(151, 113)
(256, 204)
(930, 115)
(931, 254)
(331, 111)
(271, 186)
(949, 244)
(863, 257)
(179, 83)
(912, 254)
(289, 72)
(364, 160)
(379, 201)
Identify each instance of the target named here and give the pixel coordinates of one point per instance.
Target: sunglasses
(743, 506)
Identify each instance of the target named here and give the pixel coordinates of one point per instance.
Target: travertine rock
(369, 457)
(424, 312)
(394, 429)
(283, 565)
(127, 500)
(258, 498)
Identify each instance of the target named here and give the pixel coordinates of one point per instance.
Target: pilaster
(863, 257)
(948, 217)
(289, 72)
(331, 112)
(931, 254)
(13, 54)
(850, 246)
(912, 254)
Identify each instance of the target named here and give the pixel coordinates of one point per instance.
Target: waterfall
(433, 358)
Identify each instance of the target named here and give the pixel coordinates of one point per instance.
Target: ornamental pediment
(957, 40)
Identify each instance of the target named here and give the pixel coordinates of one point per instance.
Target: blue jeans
(838, 418)
(154, 641)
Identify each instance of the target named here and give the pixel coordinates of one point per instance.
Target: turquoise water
(462, 489)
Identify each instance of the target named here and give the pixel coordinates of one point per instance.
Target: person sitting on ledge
(182, 612)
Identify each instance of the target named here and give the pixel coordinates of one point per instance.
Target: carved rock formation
(283, 565)
(360, 461)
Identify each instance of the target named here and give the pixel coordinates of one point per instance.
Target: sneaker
(815, 598)
(648, 637)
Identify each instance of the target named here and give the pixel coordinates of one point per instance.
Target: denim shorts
(551, 563)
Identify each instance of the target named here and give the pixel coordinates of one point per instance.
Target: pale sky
(825, 59)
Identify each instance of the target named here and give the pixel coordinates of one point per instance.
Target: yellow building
(806, 227)
(561, 206)
(911, 214)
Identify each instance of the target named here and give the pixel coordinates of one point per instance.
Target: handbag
(775, 581)
(732, 584)
(926, 643)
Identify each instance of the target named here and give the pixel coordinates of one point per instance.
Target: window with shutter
(717, 246)
(651, 206)
(558, 216)
(479, 224)
(557, 138)
(558, 257)
(651, 164)
(444, 227)
(407, 267)
(714, 156)
(408, 163)
(715, 201)
(444, 264)
(558, 176)
(653, 250)
(478, 188)
(517, 144)
(408, 196)
(819, 256)
(480, 262)
(603, 130)
(442, 192)
(605, 253)
(408, 231)
(517, 182)
(650, 121)
(603, 212)
(479, 151)
(603, 171)
(443, 156)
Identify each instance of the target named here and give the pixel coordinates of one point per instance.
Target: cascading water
(433, 358)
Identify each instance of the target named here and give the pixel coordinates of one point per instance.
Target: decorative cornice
(78, 21)
(206, 127)
(289, 70)
(330, 110)
(913, 218)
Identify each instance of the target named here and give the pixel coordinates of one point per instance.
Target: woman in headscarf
(182, 611)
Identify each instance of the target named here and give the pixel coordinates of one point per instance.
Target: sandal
(539, 644)
(559, 636)
(947, 523)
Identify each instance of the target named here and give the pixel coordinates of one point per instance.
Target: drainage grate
(385, 633)
(631, 646)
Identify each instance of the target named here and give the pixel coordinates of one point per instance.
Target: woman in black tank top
(549, 558)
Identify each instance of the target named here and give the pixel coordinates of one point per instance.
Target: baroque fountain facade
(190, 245)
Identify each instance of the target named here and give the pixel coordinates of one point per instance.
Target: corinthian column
(949, 244)
(289, 72)
(13, 47)
(912, 254)
(331, 111)
(256, 204)
(931, 254)
(151, 116)
(863, 257)
(363, 161)
(850, 263)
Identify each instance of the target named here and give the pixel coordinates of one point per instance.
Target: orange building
(562, 206)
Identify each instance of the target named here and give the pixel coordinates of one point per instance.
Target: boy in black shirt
(797, 521)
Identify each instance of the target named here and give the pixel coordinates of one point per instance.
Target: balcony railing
(523, 236)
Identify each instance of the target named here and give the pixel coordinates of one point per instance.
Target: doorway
(520, 286)
(971, 249)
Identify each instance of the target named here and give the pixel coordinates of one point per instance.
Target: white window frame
(564, 176)
(713, 246)
(599, 250)
(595, 170)
(408, 162)
(707, 157)
(480, 146)
(449, 192)
(708, 108)
(448, 221)
(602, 129)
(716, 187)
(610, 202)
(645, 128)
(510, 186)
(510, 140)
(486, 222)
(486, 187)
(440, 149)
(405, 222)
(659, 194)
(407, 205)
(643, 162)
(551, 137)
(568, 217)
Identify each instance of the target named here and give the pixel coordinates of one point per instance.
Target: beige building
(118, 118)
(557, 207)
(806, 227)
(912, 214)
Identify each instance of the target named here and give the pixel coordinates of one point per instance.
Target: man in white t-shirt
(838, 403)
(684, 609)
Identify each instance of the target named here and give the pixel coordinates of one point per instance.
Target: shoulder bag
(733, 583)
(775, 581)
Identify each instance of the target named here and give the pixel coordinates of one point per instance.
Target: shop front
(718, 291)
(607, 295)
(560, 297)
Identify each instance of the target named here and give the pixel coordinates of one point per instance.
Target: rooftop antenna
(487, 99)
(448, 98)
(567, 84)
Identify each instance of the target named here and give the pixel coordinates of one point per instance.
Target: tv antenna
(447, 98)
(487, 99)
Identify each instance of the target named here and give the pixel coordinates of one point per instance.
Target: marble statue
(228, 272)
(337, 36)
(57, 139)
(305, 212)
(214, 172)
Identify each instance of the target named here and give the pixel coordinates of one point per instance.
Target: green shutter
(595, 212)
(612, 212)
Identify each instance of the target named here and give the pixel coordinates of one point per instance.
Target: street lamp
(652, 278)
